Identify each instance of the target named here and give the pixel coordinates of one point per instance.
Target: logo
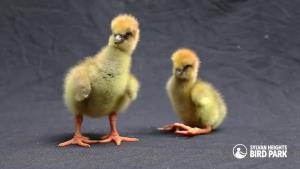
(239, 151)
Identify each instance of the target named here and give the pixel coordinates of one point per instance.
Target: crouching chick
(197, 103)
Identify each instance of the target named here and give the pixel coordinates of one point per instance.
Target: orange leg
(78, 139)
(182, 129)
(114, 135)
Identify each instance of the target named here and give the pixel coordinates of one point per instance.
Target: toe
(168, 127)
(85, 138)
(104, 137)
(165, 128)
(66, 143)
(90, 141)
(105, 140)
(82, 144)
(128, 139)
(118, 141)
(182, 132)
(182, 126)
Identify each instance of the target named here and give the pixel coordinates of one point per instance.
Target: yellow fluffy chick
(197, 103)
(103, 85)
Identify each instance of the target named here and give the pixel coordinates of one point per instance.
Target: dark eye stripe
(127, 35)
(187, 66)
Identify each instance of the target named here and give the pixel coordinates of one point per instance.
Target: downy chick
(197, 103)
(103, 85)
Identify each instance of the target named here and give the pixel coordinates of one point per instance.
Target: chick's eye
(128, 34)
(187, 66)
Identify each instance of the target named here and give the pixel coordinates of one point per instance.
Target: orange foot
(183, 129)
(80, 141)
(117, 139)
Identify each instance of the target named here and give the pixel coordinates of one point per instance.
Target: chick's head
(125, 33)
(185, 64)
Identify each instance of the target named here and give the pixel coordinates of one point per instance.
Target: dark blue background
(249, 51)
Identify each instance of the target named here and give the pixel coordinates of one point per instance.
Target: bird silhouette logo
(239, 151)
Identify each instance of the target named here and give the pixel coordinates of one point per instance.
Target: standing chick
(103, 85)
(197, 103)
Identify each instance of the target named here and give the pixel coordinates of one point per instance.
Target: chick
(197, 103)
(103, 85)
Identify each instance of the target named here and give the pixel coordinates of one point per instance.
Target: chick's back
(210, 106)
